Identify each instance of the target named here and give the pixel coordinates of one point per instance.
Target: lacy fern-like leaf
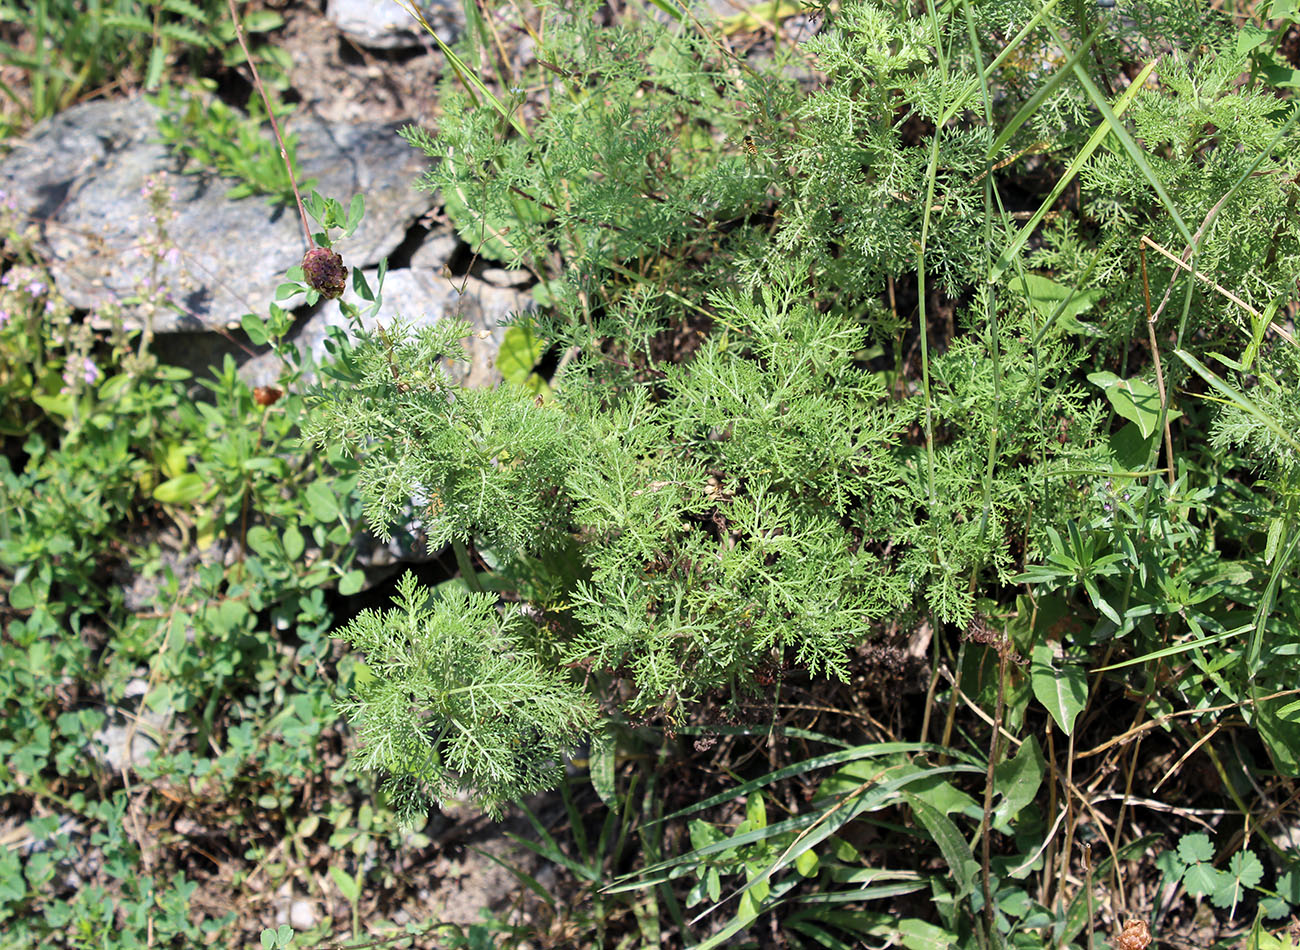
(451, 702)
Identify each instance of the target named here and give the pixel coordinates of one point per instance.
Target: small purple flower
(4, 317)
(36, 288)
(89, 373)
(49, 306)
(173, 256)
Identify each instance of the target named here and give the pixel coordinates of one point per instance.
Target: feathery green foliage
(929, 305)
(452, 700)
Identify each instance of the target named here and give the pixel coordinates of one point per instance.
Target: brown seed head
(325, 272)
(1135, 935)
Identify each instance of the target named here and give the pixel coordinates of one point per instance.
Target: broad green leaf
(704, 834)
(361, 673)
(1203, 879)
(1100, 602)
(919, 935)
(1195, 847)
(1274, 538)
(351, 582)
(1062, 687)
(1050, 298)
(1246, 867)
(1267, 941)
(231, 615)
(600, 764)
(1134, 399)
(175, 460)
(1017, 780)
(1281, 733)
(1290, 711)
(347, 885)
(1130, 448)
(262, 21)
(520, 352)
(255, 327)
(180, 490)
(56, 405)
(262, 541)
(293, 542)
(807, 863)
(173, 373)
(1250, 38)
(1280, 76)
(322, 501)
(21, 596)
(944, 796)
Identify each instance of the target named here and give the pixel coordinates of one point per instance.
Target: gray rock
(82, 171)
(500, 277)
(80, 175)
(302, 915)
(434, 253)
(383, 24)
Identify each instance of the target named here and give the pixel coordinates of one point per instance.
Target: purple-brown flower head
(325, 272)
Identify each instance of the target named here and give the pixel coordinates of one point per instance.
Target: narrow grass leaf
(950, 841)
(1013, 249)
(1240, 400)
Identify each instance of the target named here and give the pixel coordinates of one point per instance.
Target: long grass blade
(1071, 171)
